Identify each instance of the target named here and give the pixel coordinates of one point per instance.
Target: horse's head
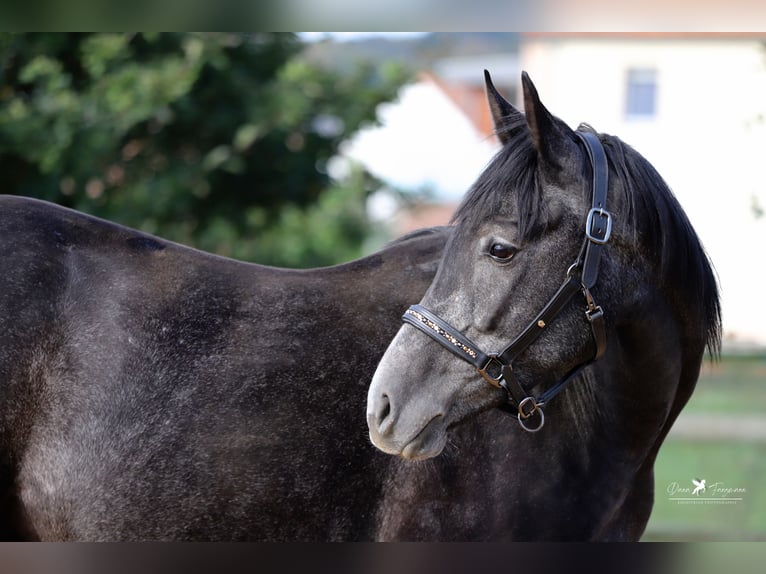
(529, 229)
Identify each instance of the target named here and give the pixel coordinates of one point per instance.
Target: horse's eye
(501, 252)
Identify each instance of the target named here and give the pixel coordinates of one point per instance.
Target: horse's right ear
(503, 112)
(552, 138)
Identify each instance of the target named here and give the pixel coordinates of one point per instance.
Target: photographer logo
(703, 492)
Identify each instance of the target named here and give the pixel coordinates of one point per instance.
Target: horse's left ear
(552, 138)
(504, 114)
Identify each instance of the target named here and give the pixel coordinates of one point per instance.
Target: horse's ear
(552, 138)
(503, 112)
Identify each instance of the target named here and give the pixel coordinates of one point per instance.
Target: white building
(694, 106)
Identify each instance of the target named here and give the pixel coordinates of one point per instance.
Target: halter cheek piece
(497, 368)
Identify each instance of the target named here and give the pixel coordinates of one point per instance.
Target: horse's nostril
(384, 419)
(385, 409)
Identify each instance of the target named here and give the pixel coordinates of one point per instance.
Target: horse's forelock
(509, 181)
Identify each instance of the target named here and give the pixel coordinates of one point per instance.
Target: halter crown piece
(497, 368)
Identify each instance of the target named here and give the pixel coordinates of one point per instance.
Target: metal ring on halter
(532, 429)
(572, 267)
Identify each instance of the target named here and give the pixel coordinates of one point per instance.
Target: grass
(739, 465)
(733, 387)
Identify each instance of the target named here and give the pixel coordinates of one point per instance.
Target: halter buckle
(528, 407)
(493, 376)
(590, 302)
(600, 212)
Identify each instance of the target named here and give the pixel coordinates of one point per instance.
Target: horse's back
(89, 313)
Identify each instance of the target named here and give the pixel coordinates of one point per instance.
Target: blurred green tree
(221, 141)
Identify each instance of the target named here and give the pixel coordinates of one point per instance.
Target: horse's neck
(506, 484)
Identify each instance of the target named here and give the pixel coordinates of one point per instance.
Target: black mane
(653, 213)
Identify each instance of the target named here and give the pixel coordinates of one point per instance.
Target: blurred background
(311, 149)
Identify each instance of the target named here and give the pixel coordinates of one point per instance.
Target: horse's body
(587, 474)
(151, 391)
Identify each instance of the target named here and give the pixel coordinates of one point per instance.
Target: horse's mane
(651, 212)
(654, 214)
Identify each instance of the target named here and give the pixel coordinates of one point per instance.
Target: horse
(150, 391)
(575, 298)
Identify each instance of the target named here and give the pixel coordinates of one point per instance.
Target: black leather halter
(497, 368)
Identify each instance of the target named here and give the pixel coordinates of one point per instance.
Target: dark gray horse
(151, 391)
(605, 360)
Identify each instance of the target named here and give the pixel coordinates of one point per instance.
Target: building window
(641, 93)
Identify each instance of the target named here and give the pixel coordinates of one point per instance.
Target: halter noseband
(497, 368)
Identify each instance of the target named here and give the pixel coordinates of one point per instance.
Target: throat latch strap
(598, 225)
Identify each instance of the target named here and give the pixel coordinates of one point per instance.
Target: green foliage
(215, 140)
(336, 224)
